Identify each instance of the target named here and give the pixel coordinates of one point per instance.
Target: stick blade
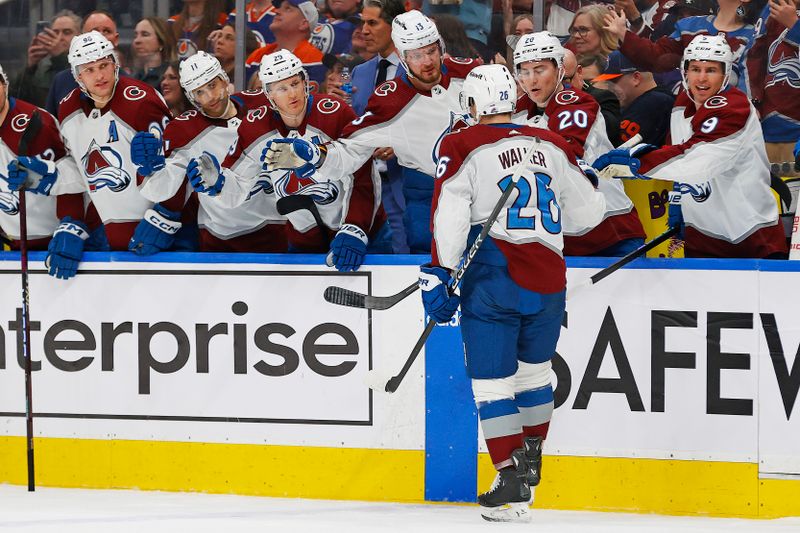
(378, 381)
(345, 297)
(295, 202)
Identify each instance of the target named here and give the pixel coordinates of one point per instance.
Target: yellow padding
(282, 471)
(658, 486)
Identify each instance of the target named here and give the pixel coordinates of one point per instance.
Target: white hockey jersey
(411, 121)
(41, 215)
(576, 116)
(552, 197)
(719, 160)
(99, 140)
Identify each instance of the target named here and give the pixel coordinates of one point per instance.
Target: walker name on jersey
(511, 158)
(103, 167)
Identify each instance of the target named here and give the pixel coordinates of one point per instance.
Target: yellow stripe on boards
(657, 486)
(280, 471)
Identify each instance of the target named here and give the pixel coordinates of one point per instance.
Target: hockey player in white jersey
(353, 220)
(717, 161)
(210, 128)
(410, 113)
(513, 293)
(37, 171)
(575, 115)
(98, 121)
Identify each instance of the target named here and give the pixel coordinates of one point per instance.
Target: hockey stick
(298, 202)
(610, 269)
(34, 125)
(348, 298)
(394, 382)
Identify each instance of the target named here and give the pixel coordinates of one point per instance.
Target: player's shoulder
(574, 97)
(257, 121)
(459, 67)
(329, 109)
(251, 98)
(23, 111)
(732, 106)
(390, 97)
(185, 127)
(70, 104)
(135, 102)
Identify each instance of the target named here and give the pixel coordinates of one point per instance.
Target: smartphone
(41, 26)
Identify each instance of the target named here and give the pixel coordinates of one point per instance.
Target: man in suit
(377, 18)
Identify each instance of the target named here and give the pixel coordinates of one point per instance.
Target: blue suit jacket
(364, 78)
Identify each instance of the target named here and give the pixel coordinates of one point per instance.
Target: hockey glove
(147, 153)
(156, 232)
(66, 248)
(439, 304)
(36, 175)
(205, 175)
(589, 172)
(674, 212)
(622, 162)
(291, 154)
(348, 248)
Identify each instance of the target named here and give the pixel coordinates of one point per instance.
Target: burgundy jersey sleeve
(571, 114)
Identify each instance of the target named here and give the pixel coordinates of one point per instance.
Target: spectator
(588, 34)
(676, 11)
(64, 82)
(152, 48)
(734, 19)
(171, 90)
(561, 15)
(292, 25)
(259, 16)
(47, 56)
(334, 34)
(775, 77)
(646, 108)
(225, 47)
(456, 42)
(592, 65)
(521, 25)
(377, 30)
(192, 27)
(575, 75)
(358, 46)
(476, 16)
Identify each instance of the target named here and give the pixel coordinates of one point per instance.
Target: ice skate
(533, 456)
(507, 499)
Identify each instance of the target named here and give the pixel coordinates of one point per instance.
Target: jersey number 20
(522, 215)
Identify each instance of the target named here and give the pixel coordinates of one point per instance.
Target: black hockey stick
(348, 298)
(394, 382)
(299, 202)
(610, 269)
(34, 125)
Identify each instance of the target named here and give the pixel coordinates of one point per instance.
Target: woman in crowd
(193, 25)
(170, 87)
(225, 47)
(152, 48)
(587, 34)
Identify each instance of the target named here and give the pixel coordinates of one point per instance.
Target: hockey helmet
(708, 48)
(279, 66)
(538, 46)
(491, 89)
(413, 30)
(197, 70)
(87, 48)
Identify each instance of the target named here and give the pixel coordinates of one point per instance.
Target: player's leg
(489, 329)
(541, 319)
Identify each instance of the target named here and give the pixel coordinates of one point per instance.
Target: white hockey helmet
(708, 48)
(491, 89)
(538, 46)
(197, 70)
(279, 66)
(87, 48)
(413, 30)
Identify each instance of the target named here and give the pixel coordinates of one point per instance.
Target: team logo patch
(715, 102)
(186, 48)
(264, 183)
(699, 193)
(328, 106)
(20, 122)
(103, 166)
(322, 38)
(133, 93)
(457, 121)
(386, 88)
(782, 67)
(187, 115)
(462, 60)
(9, 202)
(257, 113)
(566, 97)
(323, 193)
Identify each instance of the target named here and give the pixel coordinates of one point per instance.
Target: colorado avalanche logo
(782, 67)
(133, 93)
(566, 97)
(386, 88)
(457, 122)
(327, 106)
(103, 166)
(257, 113)
(699, 193)
(715, 102)
(9, 203)
(323, 193)
(20, 122)
(186, 115)
(264, 183)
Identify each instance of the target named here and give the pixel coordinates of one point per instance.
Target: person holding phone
(47, 56)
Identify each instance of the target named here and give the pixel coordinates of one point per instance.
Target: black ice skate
(533, 456)
(507, 499)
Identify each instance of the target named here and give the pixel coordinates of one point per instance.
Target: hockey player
(98, 122)
(351, 212)
(573, 114)
(212, 128)
(46, 159)
(410, 113)
(512, 295)
(717, 159)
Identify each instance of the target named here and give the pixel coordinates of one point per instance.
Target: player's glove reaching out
(205, 175)
(35, 174)
(439, 304)
(348, 248)
(623, 162)
(291, 154)
(147, 153)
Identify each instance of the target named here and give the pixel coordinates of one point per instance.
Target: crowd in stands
(625, 54)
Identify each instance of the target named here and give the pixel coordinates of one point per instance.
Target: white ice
(122, 511)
